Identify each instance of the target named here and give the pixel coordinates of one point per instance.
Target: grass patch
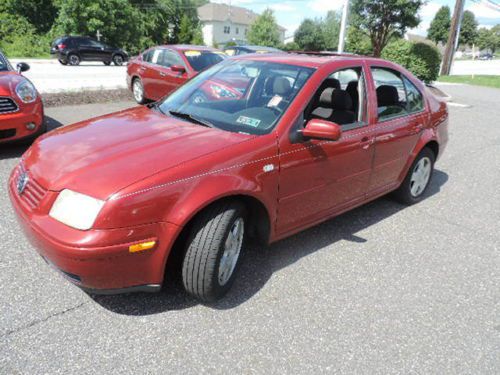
(478, 80)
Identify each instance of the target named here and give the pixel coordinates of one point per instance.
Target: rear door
(399, 123)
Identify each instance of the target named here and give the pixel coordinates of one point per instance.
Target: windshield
(201, 60)
(239, 95)
(4, 65)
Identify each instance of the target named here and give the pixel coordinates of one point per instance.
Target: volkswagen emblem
(22, 181)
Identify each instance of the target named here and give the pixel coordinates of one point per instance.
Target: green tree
(489, 39)
(264, 30)
(383, 19)
(18, 37)
(117, 20)
(358, 42)
(309, 36)
(331, 30)
(189, 31)
(291, 46)
(440, 26)
(40, 13)
(468, 29)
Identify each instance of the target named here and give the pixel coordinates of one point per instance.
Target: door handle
(417, 128)
(366, 142)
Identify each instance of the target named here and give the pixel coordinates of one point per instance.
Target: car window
(4, 65)
(200, 60)
(170, 58)
(239, 95)
(390, 91)
(415, 100)
(341, 98)
(147, 56)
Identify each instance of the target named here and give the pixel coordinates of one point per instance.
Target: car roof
(308, 60)
(187, 47)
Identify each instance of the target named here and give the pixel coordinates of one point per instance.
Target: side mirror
(321, 129)
(178, 68)
(22, 67)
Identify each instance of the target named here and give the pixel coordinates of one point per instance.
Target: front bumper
(13, 125)
(97, 260)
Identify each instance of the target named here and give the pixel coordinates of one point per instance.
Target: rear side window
(391, 95)
(414, 99)
(146, 56)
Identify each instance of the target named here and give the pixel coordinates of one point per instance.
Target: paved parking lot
(383, 289)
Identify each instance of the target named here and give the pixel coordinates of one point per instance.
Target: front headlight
(76, 210)
(26, 92)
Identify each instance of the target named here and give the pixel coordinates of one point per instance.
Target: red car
(21, 108)
(308, 139)
(160, 70)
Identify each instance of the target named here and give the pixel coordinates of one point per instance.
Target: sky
(290, 13)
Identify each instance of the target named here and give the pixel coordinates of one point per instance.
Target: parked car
(160, 70)
(21, 108)
(243, 50)
(486, 56)
(74, 49)
(307, 139)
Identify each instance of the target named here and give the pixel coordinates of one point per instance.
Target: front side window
(239, 96)
(340, 99)
(168, 58)
(201, 60)
(4, 65)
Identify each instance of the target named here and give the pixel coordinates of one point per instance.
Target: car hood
(8, 82)
(101, 156)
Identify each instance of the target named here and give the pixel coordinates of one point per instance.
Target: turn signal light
(141, 246)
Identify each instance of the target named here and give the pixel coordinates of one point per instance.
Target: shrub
(422, 59)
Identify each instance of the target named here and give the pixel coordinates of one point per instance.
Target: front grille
(33, 193)
(7, 105)
(7, 133)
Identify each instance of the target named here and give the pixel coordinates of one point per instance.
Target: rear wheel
(118, 60)
(214, 251)
(418, 178)
(138, 91)
(74, 59)
(62, 62)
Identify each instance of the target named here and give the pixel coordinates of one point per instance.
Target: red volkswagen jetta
(21, 108)
(307, 139)
(160, 70)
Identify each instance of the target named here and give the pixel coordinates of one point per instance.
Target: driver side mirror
(22, 67)
(321, 129)
(178, 68)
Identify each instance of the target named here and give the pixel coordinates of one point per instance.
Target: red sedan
(308, 139)
(21, 108)
(160, 70)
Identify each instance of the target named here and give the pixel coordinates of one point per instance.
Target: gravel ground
(85, 97)
(383, 289)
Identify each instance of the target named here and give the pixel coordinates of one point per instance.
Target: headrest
(332, 82)
(281, 86)
(387, 95)
(341, 100)
(352, 86)
(325, 99)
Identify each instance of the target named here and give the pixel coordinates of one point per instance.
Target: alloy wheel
(420, 176)
(232, 249)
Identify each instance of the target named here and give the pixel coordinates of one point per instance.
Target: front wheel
(74, 60)
(138, 91)
(214, 251)
(417, 179)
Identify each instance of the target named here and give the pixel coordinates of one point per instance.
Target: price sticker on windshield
(253, 122)
(192, 53)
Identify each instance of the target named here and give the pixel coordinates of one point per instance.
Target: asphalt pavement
(383, 289)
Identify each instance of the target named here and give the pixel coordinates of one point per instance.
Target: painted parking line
(452, 104)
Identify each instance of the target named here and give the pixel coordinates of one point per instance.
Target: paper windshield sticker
(192, 53)
(253, 122)
(275, 101)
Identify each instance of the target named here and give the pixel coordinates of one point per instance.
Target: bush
(420, 58)
(18, 38)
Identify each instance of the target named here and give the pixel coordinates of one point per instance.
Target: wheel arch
(428, 139)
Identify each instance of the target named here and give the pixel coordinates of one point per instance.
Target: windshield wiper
(191, 118)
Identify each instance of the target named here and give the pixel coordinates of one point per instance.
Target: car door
(319, 178)
(168, 80)
(397, 129)
(85, 48)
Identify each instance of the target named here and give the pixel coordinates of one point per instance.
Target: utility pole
(452, 43)
(343, 26)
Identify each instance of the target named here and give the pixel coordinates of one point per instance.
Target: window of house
(237, 30)
(227, 29)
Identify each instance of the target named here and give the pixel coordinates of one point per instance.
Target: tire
(418, 178)
(62, 62)
(138, 91)
(107, 63)
(211, 261)
(74, 59)
(118, 60)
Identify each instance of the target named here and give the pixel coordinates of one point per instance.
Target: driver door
(320, 178)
